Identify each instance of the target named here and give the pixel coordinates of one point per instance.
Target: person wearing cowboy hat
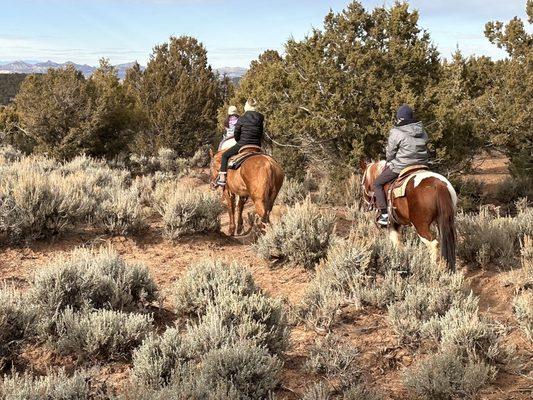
(229, 126)
(248, 131)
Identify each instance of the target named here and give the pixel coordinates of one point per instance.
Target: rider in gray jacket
(407, 146)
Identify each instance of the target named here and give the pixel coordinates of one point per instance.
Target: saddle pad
(236, 161)
(400, 190)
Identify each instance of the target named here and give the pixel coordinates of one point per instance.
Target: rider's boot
(383, 219)
(221, 181)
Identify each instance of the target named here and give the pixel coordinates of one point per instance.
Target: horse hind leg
(395, 236)
(230, 200)
(430, 241)
(241, 201)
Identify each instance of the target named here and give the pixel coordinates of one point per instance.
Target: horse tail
(446, 224)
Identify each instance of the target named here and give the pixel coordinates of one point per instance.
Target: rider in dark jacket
(248, 131)
(407, 145)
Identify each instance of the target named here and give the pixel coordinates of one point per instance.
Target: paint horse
(419, 198)
(258, 177)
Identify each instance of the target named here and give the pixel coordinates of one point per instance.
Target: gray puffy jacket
(407, 146)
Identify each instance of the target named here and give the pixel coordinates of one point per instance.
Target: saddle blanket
(419, 176)
(236, 161)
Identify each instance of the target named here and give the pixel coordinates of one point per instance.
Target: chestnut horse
(259, 177)
(429, 198)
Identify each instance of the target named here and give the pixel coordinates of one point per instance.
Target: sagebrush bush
(447, 375)
(343, 190)
(248, 369)
(486, 239)
(200, 159)
(35, 203)
(255, 318)
(345, 264)
(302, 236)
(17, 318)
(336, 360)
(318, 391)
(8, 154)
(205, 280)
(186, 384)
(54, 386)
(121, 213)
(40, 197)
(101, 334)
(420, 303)
(95, 279)
(463, 330)
(523, 308)
(188, 211)
(156, 359)
(522, 278)
(470, 194)
(292, 192)
(361, 392)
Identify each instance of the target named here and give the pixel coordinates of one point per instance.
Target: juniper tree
(507, 111)
(180, 95)
(334, 93)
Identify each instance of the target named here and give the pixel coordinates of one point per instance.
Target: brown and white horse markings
(429, 199)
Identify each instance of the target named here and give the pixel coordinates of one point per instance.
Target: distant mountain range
(35, 67)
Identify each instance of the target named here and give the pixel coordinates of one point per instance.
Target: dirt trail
(380, 356)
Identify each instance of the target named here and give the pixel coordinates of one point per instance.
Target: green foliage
(506, 106)
(302, 236)
(9, 87)
(469, 193)
(54, 386)
(66, 114)
(382, 56)
(179, 94)
(101, 334)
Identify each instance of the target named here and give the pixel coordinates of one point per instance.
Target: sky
(234, 32)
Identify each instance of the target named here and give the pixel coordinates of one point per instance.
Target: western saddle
(398, 187)
(245, 153)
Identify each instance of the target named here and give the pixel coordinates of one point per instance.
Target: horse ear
(362, 164)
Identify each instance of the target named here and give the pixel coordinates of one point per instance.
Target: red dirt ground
(380, 356)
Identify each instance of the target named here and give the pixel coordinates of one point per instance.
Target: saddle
(245, 153)
(398, 187)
